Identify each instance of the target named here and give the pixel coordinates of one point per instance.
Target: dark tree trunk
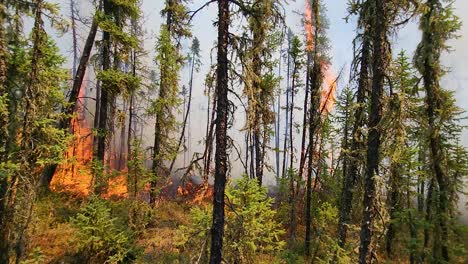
(304, 119)
(315, 83)
(156, 167)
(379, 62)
(394, 207)
(217, 229)
(433, 104)
(356, 147)
(314, 119)
(292, 180)
(104, 98)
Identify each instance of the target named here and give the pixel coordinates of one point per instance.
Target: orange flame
(308, 26)
(74, 175)
(327, 95)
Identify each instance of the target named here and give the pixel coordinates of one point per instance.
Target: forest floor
(52, 234)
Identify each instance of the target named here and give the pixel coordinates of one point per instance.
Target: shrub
(99, 239)
(250, 226)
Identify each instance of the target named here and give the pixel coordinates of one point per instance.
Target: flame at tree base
(75, 175)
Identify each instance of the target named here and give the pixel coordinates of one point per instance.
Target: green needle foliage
(250, 231)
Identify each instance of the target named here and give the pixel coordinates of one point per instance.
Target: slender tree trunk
(286, 128)
(433, 104)
(349, 181)
(4, 135)
(217, 229)
(209, 141)
(428, 217)
(379, 65)
(292, 180)
(304, 120)
(157, 165)
(104, 100)
(278, 118)
(315, 82)
(74, 37)
(314, 120)
(187, 114)
(395, 208)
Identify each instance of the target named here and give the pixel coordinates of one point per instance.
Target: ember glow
(327, 95)
(308, 26)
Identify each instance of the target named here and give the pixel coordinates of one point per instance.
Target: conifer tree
(33, 104)
(438, 24)
(117, 43)
(380, 56)
(297, 61)
(315, 79)
(361, 68)
(263, 17)
(170, 60)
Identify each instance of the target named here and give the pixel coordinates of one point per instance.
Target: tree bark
(349, 181)
(102, 124)
(433, 104)
(217, 229)
(379, 28)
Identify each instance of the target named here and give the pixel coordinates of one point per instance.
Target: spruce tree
(438, 24)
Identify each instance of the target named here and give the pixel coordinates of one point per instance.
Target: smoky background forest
(233, 131)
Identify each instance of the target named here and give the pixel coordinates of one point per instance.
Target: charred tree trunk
(304, 119)
(217, 229)
(379, 27)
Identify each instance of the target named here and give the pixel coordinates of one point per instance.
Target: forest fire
(75, 175)
(327, 95)
(308, 26)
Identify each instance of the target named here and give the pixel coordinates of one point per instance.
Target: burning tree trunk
(379, 66)
(49, 170)
(221, 130)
